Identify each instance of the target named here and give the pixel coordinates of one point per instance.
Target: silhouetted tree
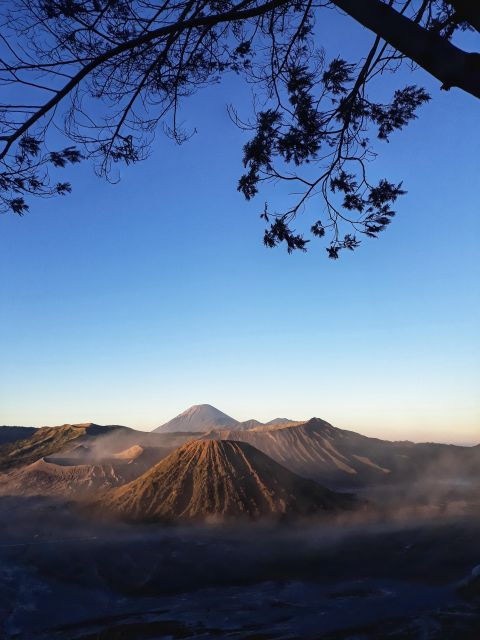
(107, 73)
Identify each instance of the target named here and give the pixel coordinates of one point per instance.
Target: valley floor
(62, 578)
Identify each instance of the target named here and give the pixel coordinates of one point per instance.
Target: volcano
(218, 480)
(199, 418)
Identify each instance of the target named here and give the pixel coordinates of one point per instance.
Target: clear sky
(127, 303)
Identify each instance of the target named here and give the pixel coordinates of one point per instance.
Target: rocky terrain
(427, 474)
(409, 581)
(84, 443)
(48, 478)
(340, 458)
(221, 480)
(69, 478)
(46, 441)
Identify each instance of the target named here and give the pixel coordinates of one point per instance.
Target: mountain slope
(87, 443)
(46, 441)
(205, 479)
(336, 457)
(248, 424)
(273, 425)
(286, 422)
(199, 418)
(47, 477)
(76, 478)
(12, 434)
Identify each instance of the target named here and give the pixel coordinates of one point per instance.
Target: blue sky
(127, 303)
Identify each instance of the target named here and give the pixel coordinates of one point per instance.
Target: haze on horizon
(393, 432)
(128, 303)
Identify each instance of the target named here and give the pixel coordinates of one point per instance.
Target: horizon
(149, 428)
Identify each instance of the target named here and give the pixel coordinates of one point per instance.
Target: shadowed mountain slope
(12, 434)
(216, 479)
(336, 457)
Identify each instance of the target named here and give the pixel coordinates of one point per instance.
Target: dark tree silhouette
(108, 73)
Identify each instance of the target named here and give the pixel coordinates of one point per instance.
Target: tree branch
(468, 10)
(443, 60)
(228, 16)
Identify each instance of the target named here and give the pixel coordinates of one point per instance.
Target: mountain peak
(279, 421)
(318, 423)
(202, 409)
(199, 418)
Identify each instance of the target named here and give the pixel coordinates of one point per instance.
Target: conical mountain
(199, 418)
(220, 480)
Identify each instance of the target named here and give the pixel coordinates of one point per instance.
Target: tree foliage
(108, 74)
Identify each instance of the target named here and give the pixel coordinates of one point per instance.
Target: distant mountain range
(204, 417)
(203, 462)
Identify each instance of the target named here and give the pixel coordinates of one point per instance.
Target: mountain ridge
(10, 433)
(314, 449)
(341, 458)
(202, 418)
(83, 442)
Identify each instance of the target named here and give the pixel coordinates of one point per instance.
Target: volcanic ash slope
(48, 478)
(65, 478)
(221, 480)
